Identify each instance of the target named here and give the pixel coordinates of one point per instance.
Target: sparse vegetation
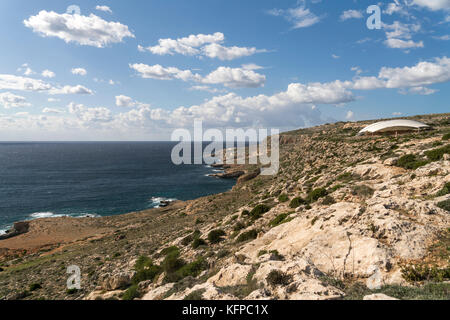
(278, 278)
(410, 162)
(297, 202)
(246, 236)
(444, 205)
(216, 236)
(258, 211)
(283, 198)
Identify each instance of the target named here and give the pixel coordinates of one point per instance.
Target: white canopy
(393, 126)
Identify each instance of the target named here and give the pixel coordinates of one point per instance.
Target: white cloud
(444, 37)
(52, 110)
(9, 100)
(52, 100)
(299, 17)
(433, 4)
(399, 35)
(124, 101)
(351, 14)
(349, 115)
(90, 116)
(79, 71)
(208, 45)
(235, 78)
(85, 30)
(12, 82)
(215, 50)
(357, 70)
(422, 74)
(403, 44)
(397, 113)
(251, 66)
(229, 77)
(78, 89)
(424, 91)
(103, 8)
(206, 88)
(334, 56)
(48, 74)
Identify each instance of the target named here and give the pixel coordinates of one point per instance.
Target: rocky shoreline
(346, 217)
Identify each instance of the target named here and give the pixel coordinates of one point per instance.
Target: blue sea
(95, 179)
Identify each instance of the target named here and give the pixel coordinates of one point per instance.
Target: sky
(84, 70)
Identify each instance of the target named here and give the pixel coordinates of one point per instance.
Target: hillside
(346, 217)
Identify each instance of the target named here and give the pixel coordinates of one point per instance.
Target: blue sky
(108, 74)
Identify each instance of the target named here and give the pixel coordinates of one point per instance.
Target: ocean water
(95, 179)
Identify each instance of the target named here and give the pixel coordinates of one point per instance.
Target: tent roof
(393, 125)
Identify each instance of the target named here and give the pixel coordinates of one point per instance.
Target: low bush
(283, 198)
(35, 286)
(216, 236)
(316, 194)
(297, 202)
(196, 295)
(198, 242)
(419, 273)
(172, 262)
(446, 136)
(437, 154)
(444, 205)
(131, 293)
(410, 162)
(258, 211)
(362, 191)
(168, 250)
(280, 219)
(246, 236)
(278, 278)
(445, 190)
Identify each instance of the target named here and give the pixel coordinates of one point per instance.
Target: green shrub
(280, 219)
(131, 293)
(35, 286)
(148, 273)
(410, 162)
(222, 253)
(142, 262)
(245, 213)
(446, 137)
(216, 236)
(198, 242)
(328, 200)
(246, 236)
(238, 226)
(362, 191)
(258, 211)
(283, 198)
(276, 277)
(72, 291)
(316, 194)
(445, 190)
(444, 205)
(172, 262)
(196, 295)
(168, 250)
(437, 154)
(276, 256)
(193, 269)
(419, 273)
(297, 202)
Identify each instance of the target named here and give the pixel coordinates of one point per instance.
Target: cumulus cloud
(78, 89)
(229, 77)
(12, 82)
(90, 116)
(433, 4)
(422, 74)
(52, 111)
(84, 30)
(48, 74)
(9, 100)
(79, 71)
(351, 14)
(398, 35)
(299, 17)
(208, 45)
(124, 101)
(103, 8)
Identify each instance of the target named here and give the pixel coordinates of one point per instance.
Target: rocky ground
(347, 217)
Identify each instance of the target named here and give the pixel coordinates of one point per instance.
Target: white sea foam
(39, 215)
(156, 201)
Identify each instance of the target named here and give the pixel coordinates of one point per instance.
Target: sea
(93, 179)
